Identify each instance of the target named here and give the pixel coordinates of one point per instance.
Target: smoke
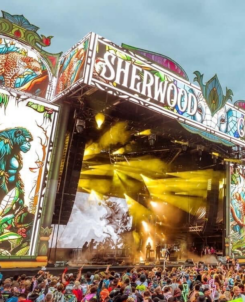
(116, 134)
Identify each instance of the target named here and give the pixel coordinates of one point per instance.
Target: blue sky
(200, 35)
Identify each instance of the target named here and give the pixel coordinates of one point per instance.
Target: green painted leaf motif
(6, 218)
(9, 236)
(85, 45)
(15, 242)
(23, 251)
(4, 100)
(36, 107)
(47, 116)
(159, 75)
(123, 56)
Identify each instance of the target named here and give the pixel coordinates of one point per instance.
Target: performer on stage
(148, 251)
(167, 253)
(158, 251)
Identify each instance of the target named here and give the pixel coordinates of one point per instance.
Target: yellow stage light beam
(136, 210)
(118, 133)
(102, 185)
(99, 118)
(144, 132)
(146, 179)
(216, 154)
(145, 226)
(136, 237)
(149, 240)
(128, 183)
(91, 150)
(119, 151)
(234, 160)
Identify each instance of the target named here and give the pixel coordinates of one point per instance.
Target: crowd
(200, 283)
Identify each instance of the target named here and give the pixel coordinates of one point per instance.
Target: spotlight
(144, 132)
(80, 125)
(145, 226)
(154, 204)
(141, 260)
(99, 118)
(152, 139)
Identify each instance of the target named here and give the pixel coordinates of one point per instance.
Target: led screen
(26, 133)
(103, 222)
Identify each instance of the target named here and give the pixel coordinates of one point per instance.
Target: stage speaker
(70, 170)
(212, 206)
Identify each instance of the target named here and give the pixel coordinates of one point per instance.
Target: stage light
(145, 132)
(184, 147)
(149, 239)
(146, 179)
(80, 125)
(99, 118)
(200, 149)
(215, 154)
(145, 225)
(181, 143)
(119, 151)
(152, 139)
(154, 204)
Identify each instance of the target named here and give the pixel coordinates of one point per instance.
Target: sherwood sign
(143, 82)
(205, 110)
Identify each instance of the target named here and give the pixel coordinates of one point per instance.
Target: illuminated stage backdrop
(26, 138)
(237, 205)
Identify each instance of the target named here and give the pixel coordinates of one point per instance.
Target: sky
(203, 35)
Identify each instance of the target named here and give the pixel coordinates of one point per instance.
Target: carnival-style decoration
(72, 66)
(22, 68)
(237, 205)
(19, 28)
(213, 93)
(25, 146)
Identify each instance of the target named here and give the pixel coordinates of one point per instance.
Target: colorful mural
(22, 69)
(20, 29)
(72, 66)
(237, 205)
(24, 150)
(205, 111)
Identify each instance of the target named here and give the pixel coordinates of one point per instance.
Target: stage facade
(110, 153)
